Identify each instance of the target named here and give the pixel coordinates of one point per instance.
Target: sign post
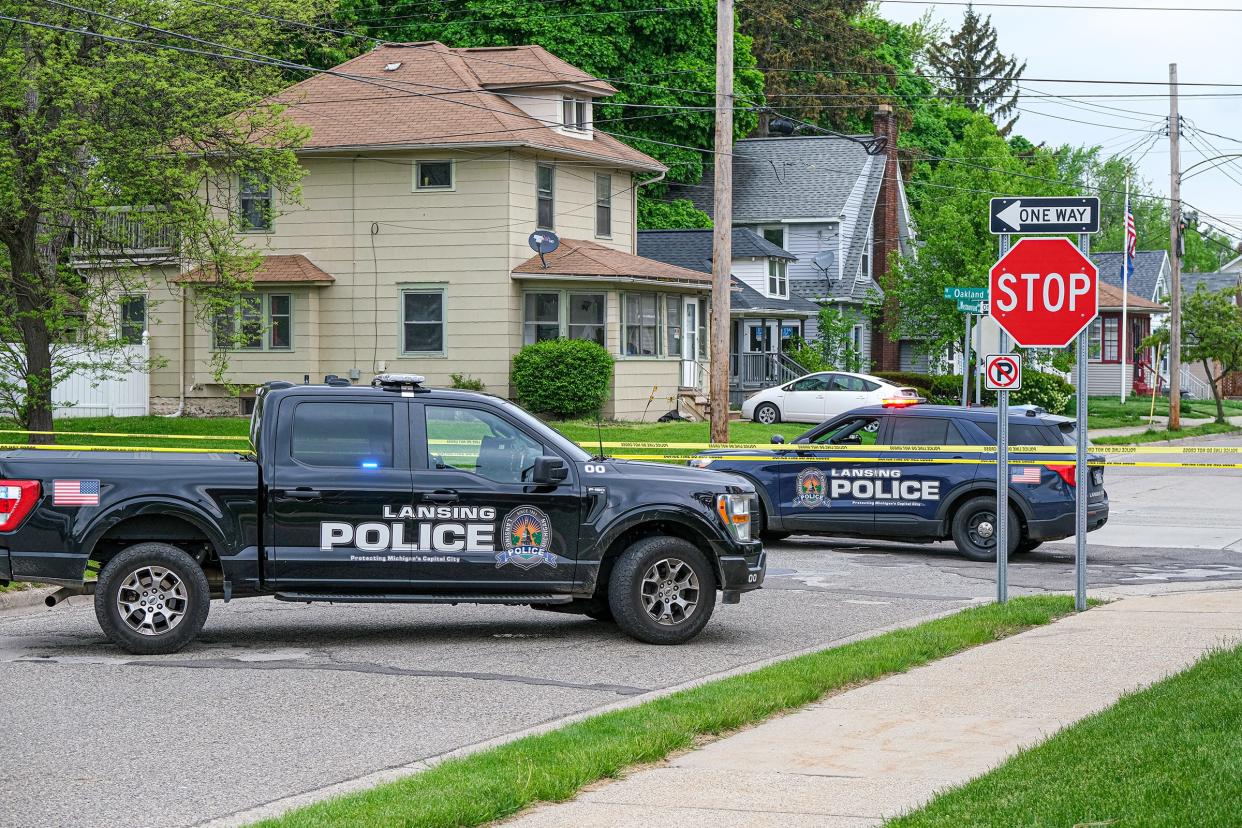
(970, 318)
(1002, 373)
(972, 301)
(1045, 294)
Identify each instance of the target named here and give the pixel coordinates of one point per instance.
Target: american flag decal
(75, 492)
(1029, 474)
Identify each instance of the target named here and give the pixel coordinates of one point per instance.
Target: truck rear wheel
(152, 599)
(662, 590)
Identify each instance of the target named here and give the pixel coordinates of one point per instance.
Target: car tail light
(17, 498)
(1066, 473)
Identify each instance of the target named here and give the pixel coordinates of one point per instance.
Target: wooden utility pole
(722, 219)
(1175, 259)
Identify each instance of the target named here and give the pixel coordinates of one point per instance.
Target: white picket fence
(85, 394)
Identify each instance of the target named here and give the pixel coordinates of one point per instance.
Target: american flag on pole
(1029, 474)
(1127, 262)
(75, 492)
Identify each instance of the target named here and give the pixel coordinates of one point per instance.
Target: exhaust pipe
(68, 592)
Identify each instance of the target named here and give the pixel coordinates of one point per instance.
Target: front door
(830, 497)
(480, 520)
(337, 465)
(690, 346)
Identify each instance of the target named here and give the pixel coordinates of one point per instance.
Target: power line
(1074, 6)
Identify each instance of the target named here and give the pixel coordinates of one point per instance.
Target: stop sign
(1044, 292)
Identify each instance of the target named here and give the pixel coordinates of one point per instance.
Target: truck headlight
(734, 510)
(699, 462)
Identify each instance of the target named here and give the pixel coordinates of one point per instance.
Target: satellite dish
(543, 241)
(825, 260)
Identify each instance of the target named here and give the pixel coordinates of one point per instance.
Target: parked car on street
(816, 397)
(393, 493)
(862, 475)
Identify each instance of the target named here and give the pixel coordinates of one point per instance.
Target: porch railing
(125, 233)
(762, 370)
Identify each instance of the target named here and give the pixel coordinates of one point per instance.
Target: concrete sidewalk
(1157, 423)
(861, 757)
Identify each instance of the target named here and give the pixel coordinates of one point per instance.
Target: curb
(23, 598)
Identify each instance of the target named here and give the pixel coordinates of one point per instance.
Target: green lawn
(1170, 755)
(1153, 435)
(554, 766)
(70, 431)
(1108, 412)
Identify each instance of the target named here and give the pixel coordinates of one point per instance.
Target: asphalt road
(281, 699)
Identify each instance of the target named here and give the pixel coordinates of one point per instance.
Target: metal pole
(1002, 471)
(1175, 220)
(722, 216)
(970, 317)
(1082, 477)
(1125, 286)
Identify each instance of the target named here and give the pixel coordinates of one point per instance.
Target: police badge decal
(527, 538)
(812, 485)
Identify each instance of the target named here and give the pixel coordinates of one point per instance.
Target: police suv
(816, 485)
(390, 493)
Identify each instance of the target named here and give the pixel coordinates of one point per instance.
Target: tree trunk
(38, 408)
(1217, 391)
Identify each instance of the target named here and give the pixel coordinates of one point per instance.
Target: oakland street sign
(1045, 215)
(1044, 292)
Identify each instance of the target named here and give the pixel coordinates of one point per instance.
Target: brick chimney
(885, 353)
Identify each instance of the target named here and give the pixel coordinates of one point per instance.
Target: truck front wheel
(662, 590)
(152, 599)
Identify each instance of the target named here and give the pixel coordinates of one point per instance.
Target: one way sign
(1045, 215)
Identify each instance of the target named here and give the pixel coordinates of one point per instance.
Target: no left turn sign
(1002, 372)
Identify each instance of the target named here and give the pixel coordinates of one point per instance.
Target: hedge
(562, 377)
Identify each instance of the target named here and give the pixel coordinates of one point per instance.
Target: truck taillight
(17, 498)
(1067, 473)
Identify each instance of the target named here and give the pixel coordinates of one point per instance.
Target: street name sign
(1002, 372)
(1044, 292)
(973, 294)
(968, 306)
(1045, 215)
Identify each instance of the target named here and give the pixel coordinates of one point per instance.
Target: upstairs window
(433, 175)
(603, 205)
(133, 318)
(256, 204)
(545, 212)
(575, 114)
(778, 278)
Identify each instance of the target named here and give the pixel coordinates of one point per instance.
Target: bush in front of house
(562, 377)
(941, 389)
(1049, 391)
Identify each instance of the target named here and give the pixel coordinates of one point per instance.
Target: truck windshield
(547, 432)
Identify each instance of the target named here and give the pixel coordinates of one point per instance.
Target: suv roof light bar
(400, 382)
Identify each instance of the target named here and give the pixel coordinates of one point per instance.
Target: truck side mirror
(549, 471)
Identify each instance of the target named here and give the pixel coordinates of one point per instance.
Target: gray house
(1152, 272)
(840, 211)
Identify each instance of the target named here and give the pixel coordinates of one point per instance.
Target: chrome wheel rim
(767, 415)
(982, 530)
(670, 591)
(152, 600)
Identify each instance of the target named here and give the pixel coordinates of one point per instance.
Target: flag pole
(1125, 285)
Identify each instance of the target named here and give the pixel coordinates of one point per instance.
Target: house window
(702, 329)
(241, 326)
(256, 204)
(1110, 351)
(586, 317)
(433, 175)
(542, 318)
(778, 278)
(279, 322)
(133, 318)
(545, 211)
(672, 324)
(603, 205)
(866, 258)
(776, 235)
(574, 114)
(1093, 340)
(641, 330)
(422, 321)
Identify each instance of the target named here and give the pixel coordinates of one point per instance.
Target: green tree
(1211, 335)
(89, 124)
(970, 65)
(663, 59)
(833, 346)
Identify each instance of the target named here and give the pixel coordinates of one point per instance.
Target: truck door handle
(441, 497)
(301, 493)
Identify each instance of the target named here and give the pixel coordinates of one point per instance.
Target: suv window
(918, 431)
(479, 442)
(343, 434)
(1020, 434)
(860, 430)
(812, 383)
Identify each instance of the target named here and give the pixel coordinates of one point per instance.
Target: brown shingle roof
(437, 96)
(1110, 299)
(273, 269)
(586, 258)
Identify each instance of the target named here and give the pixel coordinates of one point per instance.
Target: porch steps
(693, 403)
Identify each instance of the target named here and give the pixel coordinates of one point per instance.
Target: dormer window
(778, 279)
(575, 114)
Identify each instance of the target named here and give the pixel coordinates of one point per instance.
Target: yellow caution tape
(931, 460)
(848, 449)
(130, 436)
(165, 449)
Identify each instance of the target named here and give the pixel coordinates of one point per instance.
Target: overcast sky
(1128, 45)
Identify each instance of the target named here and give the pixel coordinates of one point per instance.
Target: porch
(757, 357)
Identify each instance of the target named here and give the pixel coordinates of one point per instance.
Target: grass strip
(554, 766)
(1156, 436)
(1169, 755)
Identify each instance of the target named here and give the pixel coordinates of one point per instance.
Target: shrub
(809, 356)
(940, 389)
(562, 377)
(465, 382)
(1049, 391)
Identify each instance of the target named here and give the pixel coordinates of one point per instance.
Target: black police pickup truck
(389, 493)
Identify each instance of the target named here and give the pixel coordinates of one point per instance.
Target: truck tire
(152, 599)
(662, 590)
(974, 527)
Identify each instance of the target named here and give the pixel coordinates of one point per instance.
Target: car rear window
(343, 434)
(1020, 434)
(918, 431)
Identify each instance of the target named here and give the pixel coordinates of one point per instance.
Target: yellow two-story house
(426, 172)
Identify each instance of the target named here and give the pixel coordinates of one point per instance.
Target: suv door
(337, 465)
(493, 527)
(819, 496)
(912, 501)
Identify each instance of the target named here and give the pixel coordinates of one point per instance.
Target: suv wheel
(662, 590)
(152, 599)
(768, 414)
(974, 529)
